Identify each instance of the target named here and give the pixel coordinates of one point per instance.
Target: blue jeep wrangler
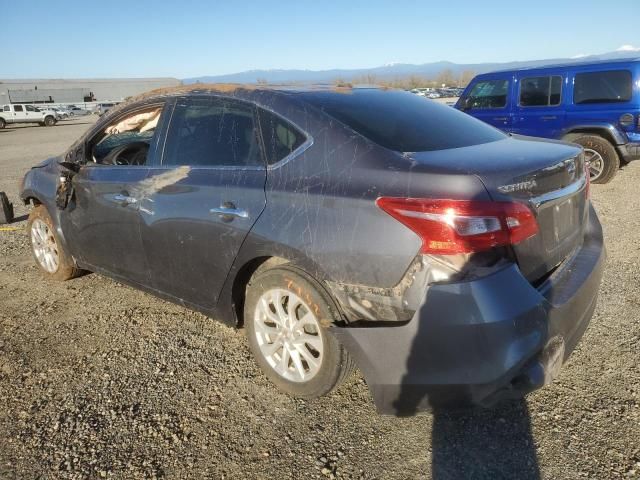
(596, 105)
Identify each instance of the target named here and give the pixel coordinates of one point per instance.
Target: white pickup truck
(25, 113)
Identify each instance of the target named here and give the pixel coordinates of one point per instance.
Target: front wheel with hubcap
(286, 315)
(49, 121)
(47, 251)
(2, 123)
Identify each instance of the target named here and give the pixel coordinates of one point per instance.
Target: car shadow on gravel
(486, 444)
(454, 340)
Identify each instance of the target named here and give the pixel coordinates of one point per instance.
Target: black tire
(49, 121)
(66, 268)
(6, 209)
(2, 123)
(335, 363)
(607, 151)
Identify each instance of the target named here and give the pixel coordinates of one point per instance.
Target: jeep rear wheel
(601, 156)
(2, 123)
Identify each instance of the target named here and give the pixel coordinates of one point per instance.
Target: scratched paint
(151, 185)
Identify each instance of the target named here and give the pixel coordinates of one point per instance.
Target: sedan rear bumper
(478, 342)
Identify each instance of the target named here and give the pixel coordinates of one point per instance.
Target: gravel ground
(98, 380)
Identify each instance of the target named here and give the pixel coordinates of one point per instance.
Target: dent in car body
(462, 348)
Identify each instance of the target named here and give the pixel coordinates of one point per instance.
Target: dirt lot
(98, 380)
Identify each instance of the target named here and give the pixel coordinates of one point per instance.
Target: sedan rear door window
(280, 137)
(212, 132)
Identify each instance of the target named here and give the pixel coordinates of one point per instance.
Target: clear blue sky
(136, 38)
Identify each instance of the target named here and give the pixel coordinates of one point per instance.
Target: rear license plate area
(562, 222)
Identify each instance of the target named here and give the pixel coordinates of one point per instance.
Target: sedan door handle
(501, 119)
(124, 199)
(549, 117)
(228, 211)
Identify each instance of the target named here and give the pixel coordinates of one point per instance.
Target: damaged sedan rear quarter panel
(299, 186)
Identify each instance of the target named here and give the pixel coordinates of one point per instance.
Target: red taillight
(462, 226)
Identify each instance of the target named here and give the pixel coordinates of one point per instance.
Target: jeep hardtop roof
(614, 63)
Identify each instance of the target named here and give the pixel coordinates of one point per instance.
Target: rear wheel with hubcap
(286, 315)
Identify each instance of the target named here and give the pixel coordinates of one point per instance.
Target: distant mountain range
(397, 70)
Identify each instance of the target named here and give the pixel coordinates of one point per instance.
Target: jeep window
(6, 108)
(280, 137)
(31, 108)
(540, 91)
(126, 141)
(602, 87)
(17, 108)
(488, 94)
(212, 132)
(402, 121)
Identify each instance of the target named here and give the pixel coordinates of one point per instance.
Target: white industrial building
(80, 91)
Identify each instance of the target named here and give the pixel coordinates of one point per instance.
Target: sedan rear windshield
(402, 121)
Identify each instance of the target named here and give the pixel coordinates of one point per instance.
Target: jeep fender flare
(605, 130)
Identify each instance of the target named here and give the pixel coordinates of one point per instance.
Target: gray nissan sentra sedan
(453, 264)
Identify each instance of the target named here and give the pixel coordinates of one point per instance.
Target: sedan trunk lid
(548, 176)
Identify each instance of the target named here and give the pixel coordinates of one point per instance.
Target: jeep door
(102, 222)
(490, 100)
(539, 110)
(203, 198)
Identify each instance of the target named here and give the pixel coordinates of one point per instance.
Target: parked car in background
(75, 111)
(421, 92)
(103, 108)
(596, 105)
(449, 92)
(64, 111)
(61, 114)
(453, 264)
(26, 113)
